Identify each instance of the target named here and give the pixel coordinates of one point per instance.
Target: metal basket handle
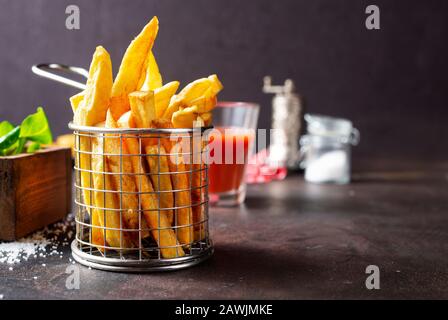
(41, 70)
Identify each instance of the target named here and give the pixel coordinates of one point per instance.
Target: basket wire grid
(105, 184)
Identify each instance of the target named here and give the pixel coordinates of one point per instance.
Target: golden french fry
(201, 92)
(84, 163)
(197, 185)
(143, 112)
(198, 214)
(162, 124)
(119, 105)
(163, 95)
(207, 118)
(199, 122)
(124, 181)
(194, 89)
(158, 163)
(206, 102)
(161, 228)
(76, 100)
(97, 231)
(107, 202)
(150, 78)
(90, 110)
(185, 117)
(182, 199)
(142, 106)
(131, 68)
(198, 182)
(216, 84)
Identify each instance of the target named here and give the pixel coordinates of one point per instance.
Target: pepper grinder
(287, 121)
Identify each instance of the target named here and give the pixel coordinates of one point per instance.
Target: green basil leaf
(5, 127)
(10, 138)
(35, 127)
(19, 145)
(33, 147)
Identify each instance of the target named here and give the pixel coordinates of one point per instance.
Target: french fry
(132, 67)
(207, 118)
(150, 78)
(198, 182)
(216, 84)
(198, 214)
(206, 102)
(201, 92)
(188, 117)
(88, 111)
(107, 202)
(195, 88)
(76, 100)
(158, 163)
(182, 199)
(119, 105)
(93, 107)
(84, 163)
(163, 95)
(197, 185)
(185, 117)
(97, 232)
(161, 228)
(143, 113)
(142, 106)
(124, 181)
(179, 181)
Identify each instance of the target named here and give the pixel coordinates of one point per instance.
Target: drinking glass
(231, 145)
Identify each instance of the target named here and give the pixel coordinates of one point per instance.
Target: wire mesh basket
(141, 198)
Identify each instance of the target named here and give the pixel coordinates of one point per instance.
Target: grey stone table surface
(291, 240)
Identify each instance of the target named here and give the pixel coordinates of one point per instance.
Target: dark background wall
(392, 83)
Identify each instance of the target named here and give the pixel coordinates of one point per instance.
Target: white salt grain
(14, 252)
(332, 166)
(36, 244)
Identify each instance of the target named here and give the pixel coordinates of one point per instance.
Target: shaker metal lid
(321, 125)
(328, 126)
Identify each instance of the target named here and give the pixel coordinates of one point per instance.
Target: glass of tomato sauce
(231, 144)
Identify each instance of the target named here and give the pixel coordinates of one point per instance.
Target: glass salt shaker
(326, 149)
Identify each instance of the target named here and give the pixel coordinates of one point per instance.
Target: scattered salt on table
(15, 252)
(36, 244)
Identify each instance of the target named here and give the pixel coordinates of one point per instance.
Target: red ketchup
(230, 148)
